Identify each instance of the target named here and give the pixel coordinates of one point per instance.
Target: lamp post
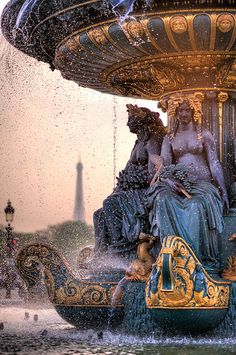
(11, 277)
(10, 274)
(11, 241)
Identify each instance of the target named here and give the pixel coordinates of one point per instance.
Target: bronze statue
(124, 215)
(192, 166)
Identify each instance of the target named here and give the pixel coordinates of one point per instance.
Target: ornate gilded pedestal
(180, 293)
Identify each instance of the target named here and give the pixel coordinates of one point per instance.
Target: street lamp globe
(9, 212)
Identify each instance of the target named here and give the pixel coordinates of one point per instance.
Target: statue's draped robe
(120, 221)
(124, 215)
(197, 220)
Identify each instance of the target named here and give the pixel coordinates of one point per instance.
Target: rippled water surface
(51, 335)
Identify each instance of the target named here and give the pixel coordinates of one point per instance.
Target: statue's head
(178, 24)
(225, 22)
(184, 108)
(141, 117)
(172, 103)
(184, 112)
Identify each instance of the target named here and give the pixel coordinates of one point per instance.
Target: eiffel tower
(79, 214)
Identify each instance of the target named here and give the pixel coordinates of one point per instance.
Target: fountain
(181, 54)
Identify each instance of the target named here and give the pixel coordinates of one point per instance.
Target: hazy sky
(46, 123)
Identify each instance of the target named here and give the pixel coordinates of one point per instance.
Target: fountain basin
(87, 317)
(87, 302)
(181, 295)
(163, 47)
(190, 321)
(82, 302)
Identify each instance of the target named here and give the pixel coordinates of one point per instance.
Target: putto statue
(124, 214)
(188, 199)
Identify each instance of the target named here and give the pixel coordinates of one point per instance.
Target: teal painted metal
(88, 317)
(192, 321)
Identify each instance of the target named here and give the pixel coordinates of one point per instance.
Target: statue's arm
(166, 151)
(214, 165)
(153, 150)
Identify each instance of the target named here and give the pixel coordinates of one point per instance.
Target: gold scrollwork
(74, 293)
(73, 45)
(138, 60)
(148, 80)
(135, 32)
(63, 287)
(192, 286)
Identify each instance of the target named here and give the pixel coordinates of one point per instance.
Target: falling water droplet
(114, 122)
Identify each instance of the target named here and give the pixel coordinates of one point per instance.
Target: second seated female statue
(124, 214)
(196, 215)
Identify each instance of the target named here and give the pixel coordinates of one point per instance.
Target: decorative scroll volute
(63, 287)
(179, 280)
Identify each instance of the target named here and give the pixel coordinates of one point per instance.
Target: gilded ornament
(149, 80)
(62, 286)
(98, 36)
(133, 29)
(229, 273)
(225, 73)
(139, 269)
(222, 97)
(178, 24)
(72, 45)
(154, 71)
(225, 22)
(191, 286)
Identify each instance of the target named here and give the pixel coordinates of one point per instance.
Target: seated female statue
(124, 214)
(196, 214)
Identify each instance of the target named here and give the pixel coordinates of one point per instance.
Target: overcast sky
(46, 124)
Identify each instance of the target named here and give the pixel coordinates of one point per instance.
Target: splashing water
(122, 8)
(23, 18)
(51, 335)
(114, 140)
(24, 13)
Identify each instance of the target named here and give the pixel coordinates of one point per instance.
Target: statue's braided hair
(149, 118)
(196, 115)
